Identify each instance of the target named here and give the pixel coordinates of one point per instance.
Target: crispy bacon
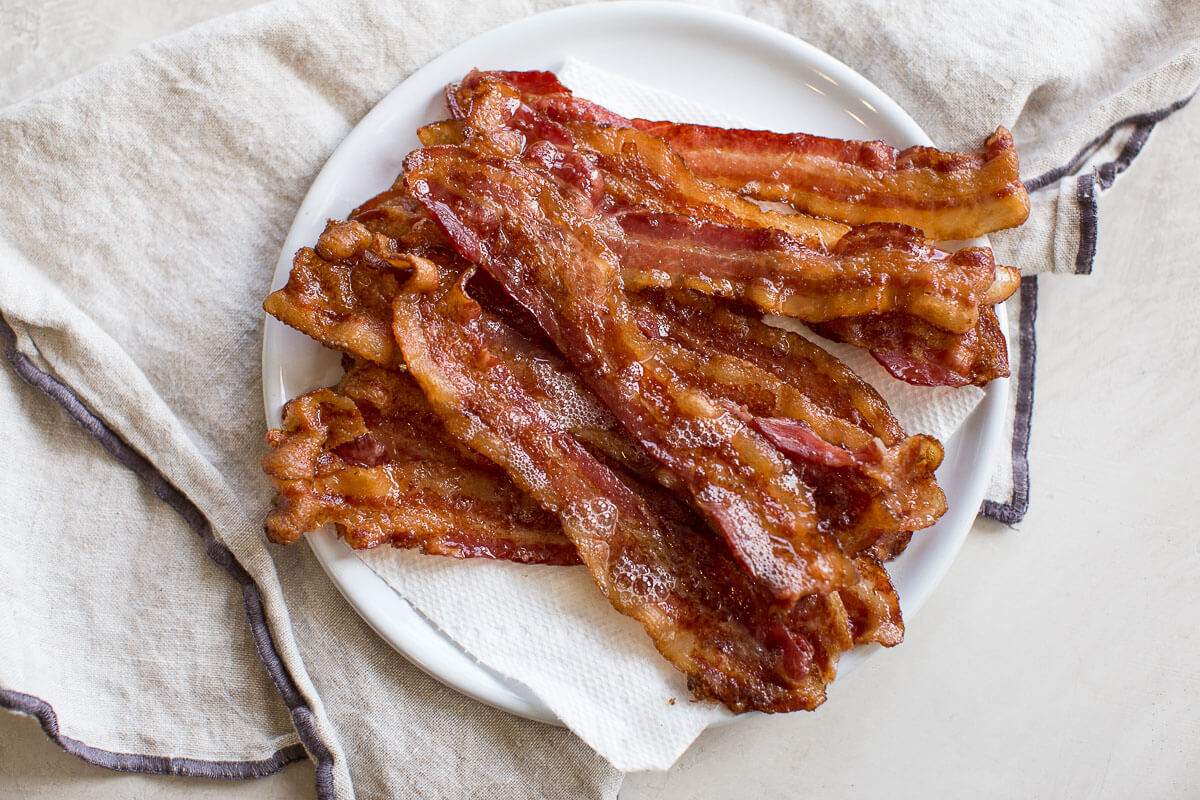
(347, 303)
(703, 613)
(767, 354)
(642, 171)
(872, 269)
(371, 457)
(918, 353)
(947, 195)
(518, 225)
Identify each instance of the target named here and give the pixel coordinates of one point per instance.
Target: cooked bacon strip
(642, 171)
(872, 269)
(371, 457)
(518, 225)
(703, 613)
(918, 353)
(947, 195)
(346, 302)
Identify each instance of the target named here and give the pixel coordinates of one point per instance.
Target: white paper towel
(548, 627)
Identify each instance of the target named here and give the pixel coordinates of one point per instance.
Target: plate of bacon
(511, 323)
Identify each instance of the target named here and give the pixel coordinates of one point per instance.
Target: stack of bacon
(555, 354)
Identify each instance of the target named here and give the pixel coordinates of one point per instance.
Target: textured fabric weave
(145, 203)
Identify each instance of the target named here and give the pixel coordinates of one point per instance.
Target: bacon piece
(872, 269)
(947, 195)
(340, 292)
(371, 457)
(918, 353)
(517, 224)
(703, 613)
(639, 170)
(642, 171)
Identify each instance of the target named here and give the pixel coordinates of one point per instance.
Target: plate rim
(384, 609)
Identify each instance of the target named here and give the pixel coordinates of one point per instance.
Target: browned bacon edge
(371, 457)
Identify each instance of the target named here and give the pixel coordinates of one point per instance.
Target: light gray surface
(1056, 660)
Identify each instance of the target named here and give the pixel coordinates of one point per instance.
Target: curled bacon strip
(868, 480)
(346, 302)
(947, 195)
(764, 355)
(517, 224)
(371, 457)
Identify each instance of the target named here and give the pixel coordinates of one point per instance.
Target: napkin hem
(43, 712)
(1014, 510)
(302, 716)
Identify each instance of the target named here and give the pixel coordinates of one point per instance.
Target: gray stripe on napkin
(135, 762)
(302, 716)
(1103, 175)
(1014, 510)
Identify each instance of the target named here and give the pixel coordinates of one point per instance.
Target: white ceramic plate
(750, 71)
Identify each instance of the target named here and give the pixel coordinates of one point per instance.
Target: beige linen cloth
(146, 623)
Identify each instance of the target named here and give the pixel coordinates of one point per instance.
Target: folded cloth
(146, 202)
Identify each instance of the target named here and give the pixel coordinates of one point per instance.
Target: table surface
(1077, 675)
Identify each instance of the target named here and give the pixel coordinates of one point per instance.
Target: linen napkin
(145, 203)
